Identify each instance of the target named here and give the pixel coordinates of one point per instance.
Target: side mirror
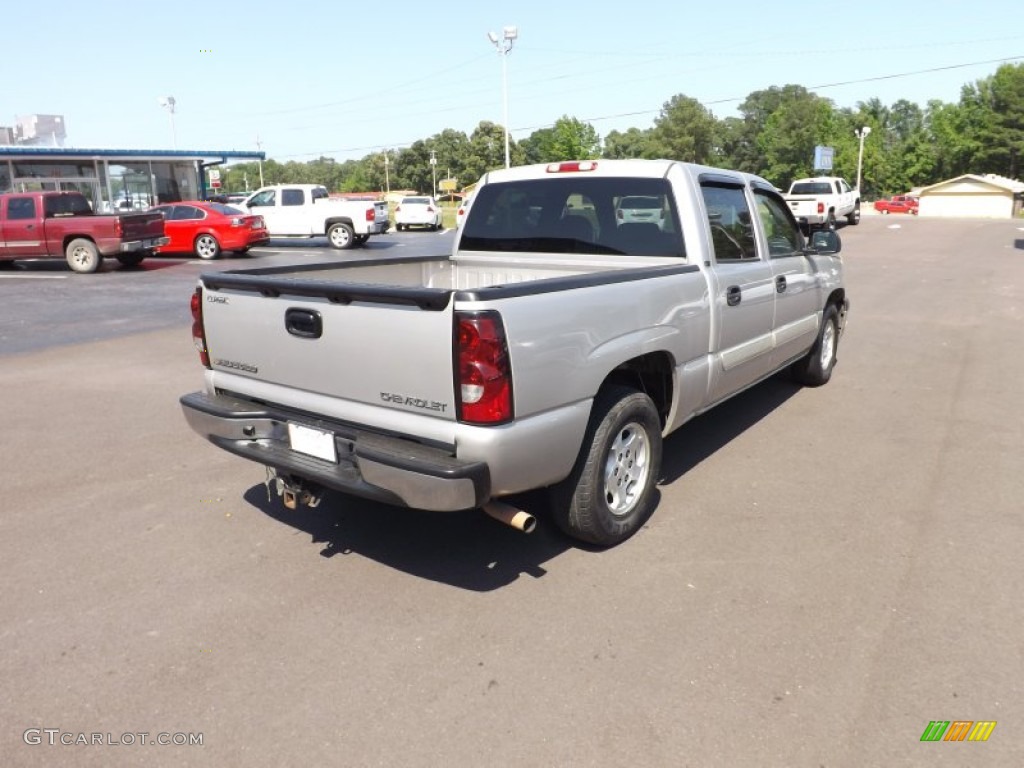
(826, 241)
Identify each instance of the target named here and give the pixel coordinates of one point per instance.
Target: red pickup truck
(39, 225)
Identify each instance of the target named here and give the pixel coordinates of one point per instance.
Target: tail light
(198, 332)
(821, 207)
(579, 165)
(118, 227)
(484, 374)
(237, 221)
(371, 214)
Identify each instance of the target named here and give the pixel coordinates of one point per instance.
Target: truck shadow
(1018, 244)
(694, 442)
(471, 551)
(468, 550)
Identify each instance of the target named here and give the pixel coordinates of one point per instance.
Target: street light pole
(433, 171)
(168, 103)
(504, 46)
(387, 180)
(861, 134)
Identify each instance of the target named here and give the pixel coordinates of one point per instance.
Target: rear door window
(575, 214)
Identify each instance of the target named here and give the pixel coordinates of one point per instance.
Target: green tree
(685, 130)
(623, 146)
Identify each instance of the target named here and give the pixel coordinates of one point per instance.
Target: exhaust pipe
(509, 515)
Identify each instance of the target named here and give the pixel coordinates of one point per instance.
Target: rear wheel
(831, 223)
(610, 493)
(341, 236)
(206, 247)
(83, 256)
(854, 218)
(131, 259)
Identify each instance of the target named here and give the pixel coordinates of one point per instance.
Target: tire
(206, 247)
(83, 256)
(131, 259)
(611, 491)
(815, 369)
(340, 236)
(885, 211)
(854, 218)
(831, 221)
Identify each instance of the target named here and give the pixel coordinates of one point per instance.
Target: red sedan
(898, 204)
(206, 229)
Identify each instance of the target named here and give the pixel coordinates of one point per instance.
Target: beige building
(973, 196)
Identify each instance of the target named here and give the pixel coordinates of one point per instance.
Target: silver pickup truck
(556, 347)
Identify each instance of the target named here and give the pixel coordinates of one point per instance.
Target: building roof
(65, 153)
(990, 179)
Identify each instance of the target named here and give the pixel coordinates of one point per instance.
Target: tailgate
(374, 345)
(141, 226)
(380, 211)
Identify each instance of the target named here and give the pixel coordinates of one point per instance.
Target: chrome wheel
(828, 345)
(207, 247)
(626, 468)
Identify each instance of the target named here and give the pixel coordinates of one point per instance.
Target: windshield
(572, 214)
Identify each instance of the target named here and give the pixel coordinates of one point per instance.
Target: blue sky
(313, 77)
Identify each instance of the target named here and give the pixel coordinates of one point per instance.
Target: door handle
(780, 283)
(304, 323)
(733, 295)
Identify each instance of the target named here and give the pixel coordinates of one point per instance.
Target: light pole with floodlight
(168, 103)
(861, 134)
(504, 46)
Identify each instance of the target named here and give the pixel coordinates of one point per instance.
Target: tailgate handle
(304, 323)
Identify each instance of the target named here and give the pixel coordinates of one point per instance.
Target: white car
(641, 210)
(460, 214)
(418, 212)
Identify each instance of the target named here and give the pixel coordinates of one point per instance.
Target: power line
(640, 113)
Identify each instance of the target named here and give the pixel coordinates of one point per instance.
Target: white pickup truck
(306, 210)
(555, 348)
(821, 200)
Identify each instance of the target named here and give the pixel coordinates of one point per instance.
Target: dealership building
(116, 179)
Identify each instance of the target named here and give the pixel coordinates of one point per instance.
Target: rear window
(66, 205)
(227, 210)
(641, 202)
(573, 214)
(811, 188)
(415, 200)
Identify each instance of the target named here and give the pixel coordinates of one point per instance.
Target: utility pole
(259, 147)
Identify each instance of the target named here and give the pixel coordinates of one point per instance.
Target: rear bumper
(370, 465)
(378, 228)
(144, 245)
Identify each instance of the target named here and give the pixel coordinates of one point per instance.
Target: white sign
(213, 174)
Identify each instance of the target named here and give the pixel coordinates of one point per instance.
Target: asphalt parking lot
(827, 572)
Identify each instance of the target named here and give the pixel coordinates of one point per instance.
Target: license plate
(312, 442)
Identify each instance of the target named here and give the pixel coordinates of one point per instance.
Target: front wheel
(816, 368)
(341, 236)
(206, 247)
(83, 256)
(610, 493)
